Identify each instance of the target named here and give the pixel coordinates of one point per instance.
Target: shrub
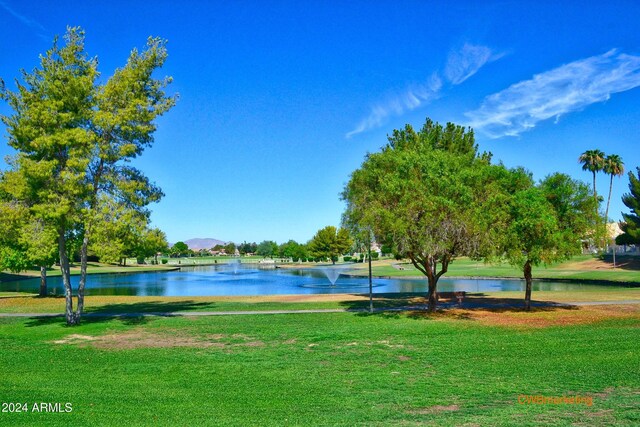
(347, 258)
(374, 255)
(164, 260)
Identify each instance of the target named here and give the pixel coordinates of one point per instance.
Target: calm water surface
(251, 280)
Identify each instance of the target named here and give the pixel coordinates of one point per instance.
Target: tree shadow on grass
(415, 306)
(138, 313)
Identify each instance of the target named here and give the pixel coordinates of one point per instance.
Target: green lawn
(321, 369)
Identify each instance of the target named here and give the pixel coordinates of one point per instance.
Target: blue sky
(281, 100)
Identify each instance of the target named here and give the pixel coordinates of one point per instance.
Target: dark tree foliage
(631, 221)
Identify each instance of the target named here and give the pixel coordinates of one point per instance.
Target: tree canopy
(267, 249)
(179, 249)
(247, 248)
(293, 250)
(430, 195)
(546, 224)
(594, 162)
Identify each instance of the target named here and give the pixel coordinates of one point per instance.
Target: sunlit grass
(321, 369)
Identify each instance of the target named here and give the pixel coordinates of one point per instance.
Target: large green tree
(546, 224)
(430, 195)
(631, 221)
(75, 137)
(330, 242)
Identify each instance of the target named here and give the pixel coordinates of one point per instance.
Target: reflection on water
(251, 280)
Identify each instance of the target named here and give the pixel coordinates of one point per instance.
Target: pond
(243, 279)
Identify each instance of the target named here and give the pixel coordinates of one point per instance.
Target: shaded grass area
(321, 369)
(15, 303)
(585, 268)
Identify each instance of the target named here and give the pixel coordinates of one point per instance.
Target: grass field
(461, 367)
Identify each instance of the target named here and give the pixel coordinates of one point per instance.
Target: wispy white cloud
(570, 87)
(412, 98)
(464, 63)
(41, 31)
(461, 65)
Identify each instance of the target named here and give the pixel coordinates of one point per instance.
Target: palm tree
(593, 161)
(613, 166)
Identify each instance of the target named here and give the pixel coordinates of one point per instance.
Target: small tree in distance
(179, 249)
(267, 249)
(330, 242)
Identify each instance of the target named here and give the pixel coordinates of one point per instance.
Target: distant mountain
(197, 244)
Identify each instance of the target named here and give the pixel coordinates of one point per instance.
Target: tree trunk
(433, 300)
(606, 213)
(83, 276)
(66, 278)
(428, 267)
(43, 281)
(527, 292)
